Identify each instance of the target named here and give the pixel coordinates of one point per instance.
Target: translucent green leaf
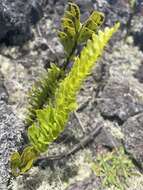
(96, 17)
(15, 163)
(75, 12)
(42, 91)
(85, 34)
(91, 26)
(33, 134)
(70, 26)
(67, 22)
(28, 156)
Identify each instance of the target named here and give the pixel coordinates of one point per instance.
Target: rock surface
(16, 18)
(133, 130)
(10, 138)
(3, 91)
(119, 100)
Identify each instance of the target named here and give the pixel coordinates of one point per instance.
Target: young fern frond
(73, 32)
(52, 119)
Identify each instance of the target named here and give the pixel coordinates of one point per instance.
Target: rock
(16, 18)
(120, 95)
(119, 100)
(136, 30)
(139, 73)
(88, 184)
(133, 132)
(114, 11)
(136, 183)
(86, 7)
(106, 139)
(10, 138)
(3, 91)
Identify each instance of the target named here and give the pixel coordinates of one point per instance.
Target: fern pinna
(42, 92)
(51, 119)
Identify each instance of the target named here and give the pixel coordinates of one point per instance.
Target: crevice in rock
(113, 118)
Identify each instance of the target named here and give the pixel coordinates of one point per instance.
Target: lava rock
(3, 91)
(16, 17)
(136, 30)
(114, 11)
(139, 73)
(10, 137)
(133, 131)
(119, 101)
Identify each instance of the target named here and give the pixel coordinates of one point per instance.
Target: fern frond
(42, 92)
(52, 119)
(70, 26)
(73, 32)
(90, 26)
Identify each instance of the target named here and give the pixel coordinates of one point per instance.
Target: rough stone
(133, 131)
(139, 73)
(114, 11)
(3, 91)
(10, 137)
(136, 30)
(119, 100)
(16, 18)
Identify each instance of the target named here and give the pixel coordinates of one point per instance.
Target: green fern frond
(43, 91)
(72, 29)
(22, 163)
(91, 25)
(73, 32)
(52, 119)
(70, 26)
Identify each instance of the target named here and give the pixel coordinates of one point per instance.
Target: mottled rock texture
(3, 91)
(119, 100)
(10, 138)
(10, 134)
(16, 17)
(133, 130)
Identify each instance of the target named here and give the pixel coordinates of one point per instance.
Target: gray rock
(10, 137)
(3, 92)
(139, 73)
(133, 131)
(136, 30)
(114, 11)
(119, 100)
(15, 19)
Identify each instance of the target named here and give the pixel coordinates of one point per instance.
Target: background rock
(16, 18)
(10, 138)
(3, 91)
(133, 130)
(118, 100)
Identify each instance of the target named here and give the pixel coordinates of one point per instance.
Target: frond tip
(52, 119)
